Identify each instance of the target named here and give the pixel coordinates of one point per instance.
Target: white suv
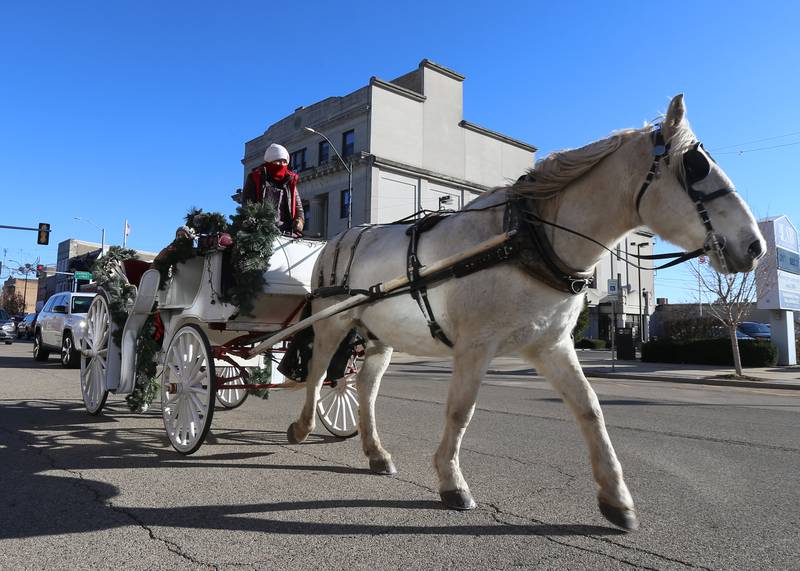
(60, 325)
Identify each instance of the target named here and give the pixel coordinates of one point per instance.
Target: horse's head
(693, 203)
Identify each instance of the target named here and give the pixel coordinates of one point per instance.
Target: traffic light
(44, 234)
(40, 270)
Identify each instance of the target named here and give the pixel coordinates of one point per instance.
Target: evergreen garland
(120, 293)
(146, 387)
(253, 230)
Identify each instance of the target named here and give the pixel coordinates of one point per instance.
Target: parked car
(8, 331)
(25, 328)
(753, 330)
(59, 325)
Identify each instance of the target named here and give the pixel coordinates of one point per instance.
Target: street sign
(83, 276)
(613, 287)
(778, 273)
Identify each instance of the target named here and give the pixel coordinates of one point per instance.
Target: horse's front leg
(376, 361)
(561, 367)
(326, 339)
(469, 365)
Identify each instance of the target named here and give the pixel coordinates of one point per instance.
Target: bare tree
(732, 299)
(13, 303)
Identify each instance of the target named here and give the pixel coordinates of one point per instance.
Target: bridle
(696, 167)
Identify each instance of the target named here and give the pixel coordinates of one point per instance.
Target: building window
(324, 152)
(344, 204)
(297, 160)
(348, 143)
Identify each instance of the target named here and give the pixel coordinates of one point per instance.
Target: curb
(766, 384)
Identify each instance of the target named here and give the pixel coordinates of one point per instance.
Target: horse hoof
(458, 500)
(290, 435)
(624, 518)
(382, 467)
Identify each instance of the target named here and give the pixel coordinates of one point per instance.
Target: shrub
(709, 352)
(587, 343)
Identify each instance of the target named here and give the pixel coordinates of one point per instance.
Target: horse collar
(536, 254)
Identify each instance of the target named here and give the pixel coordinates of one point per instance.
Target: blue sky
(140, 110)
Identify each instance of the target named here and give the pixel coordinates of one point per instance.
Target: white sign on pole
(778, 274)
(613, 288)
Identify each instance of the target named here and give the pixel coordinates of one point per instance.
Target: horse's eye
(696, 165)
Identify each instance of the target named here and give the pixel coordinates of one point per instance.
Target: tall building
(410, 148)
(407, 143)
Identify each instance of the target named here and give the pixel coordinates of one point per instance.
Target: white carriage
(207, 346)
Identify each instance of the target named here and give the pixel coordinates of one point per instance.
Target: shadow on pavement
(27, 362)
(42, 436)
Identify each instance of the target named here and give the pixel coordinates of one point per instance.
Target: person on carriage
(272, 180)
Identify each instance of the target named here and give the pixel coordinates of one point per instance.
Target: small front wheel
(187, 389)
(231, 397)
(337, 408)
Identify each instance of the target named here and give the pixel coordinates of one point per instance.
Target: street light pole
(102, 233)
(349, 169)
(639, 269)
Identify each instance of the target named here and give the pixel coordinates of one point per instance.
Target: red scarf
(277, 171)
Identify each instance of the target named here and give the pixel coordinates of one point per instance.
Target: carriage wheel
(187, 389)
(337, 408)
(233, 397)
(94, 366)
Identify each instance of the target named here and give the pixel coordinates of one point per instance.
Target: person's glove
(299, 223)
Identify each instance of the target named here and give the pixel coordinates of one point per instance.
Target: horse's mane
(550, 175)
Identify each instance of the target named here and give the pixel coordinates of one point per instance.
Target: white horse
(597, 190)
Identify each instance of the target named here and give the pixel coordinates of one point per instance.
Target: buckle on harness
(578, 286)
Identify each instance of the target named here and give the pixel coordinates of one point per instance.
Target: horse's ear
(675, 115)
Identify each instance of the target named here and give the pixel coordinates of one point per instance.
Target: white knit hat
(275, 153)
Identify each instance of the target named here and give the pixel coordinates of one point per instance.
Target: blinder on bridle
(696, 168)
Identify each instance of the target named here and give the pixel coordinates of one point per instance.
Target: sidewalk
(598, 364)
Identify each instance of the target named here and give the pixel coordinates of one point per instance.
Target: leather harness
(528, 246)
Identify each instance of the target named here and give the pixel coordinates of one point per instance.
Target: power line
(758, 149)
(715, 149)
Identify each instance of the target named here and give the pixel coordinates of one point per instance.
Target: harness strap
(346, 275)
(417, 287)
(336, 256)
(660, 150)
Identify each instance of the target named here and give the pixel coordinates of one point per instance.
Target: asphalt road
(713, 471)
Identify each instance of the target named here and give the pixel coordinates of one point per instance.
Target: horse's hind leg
(561, 367)
(469, 365)
(327, 336)
(376, 360)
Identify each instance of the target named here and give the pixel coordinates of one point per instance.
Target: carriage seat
(134, 270)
